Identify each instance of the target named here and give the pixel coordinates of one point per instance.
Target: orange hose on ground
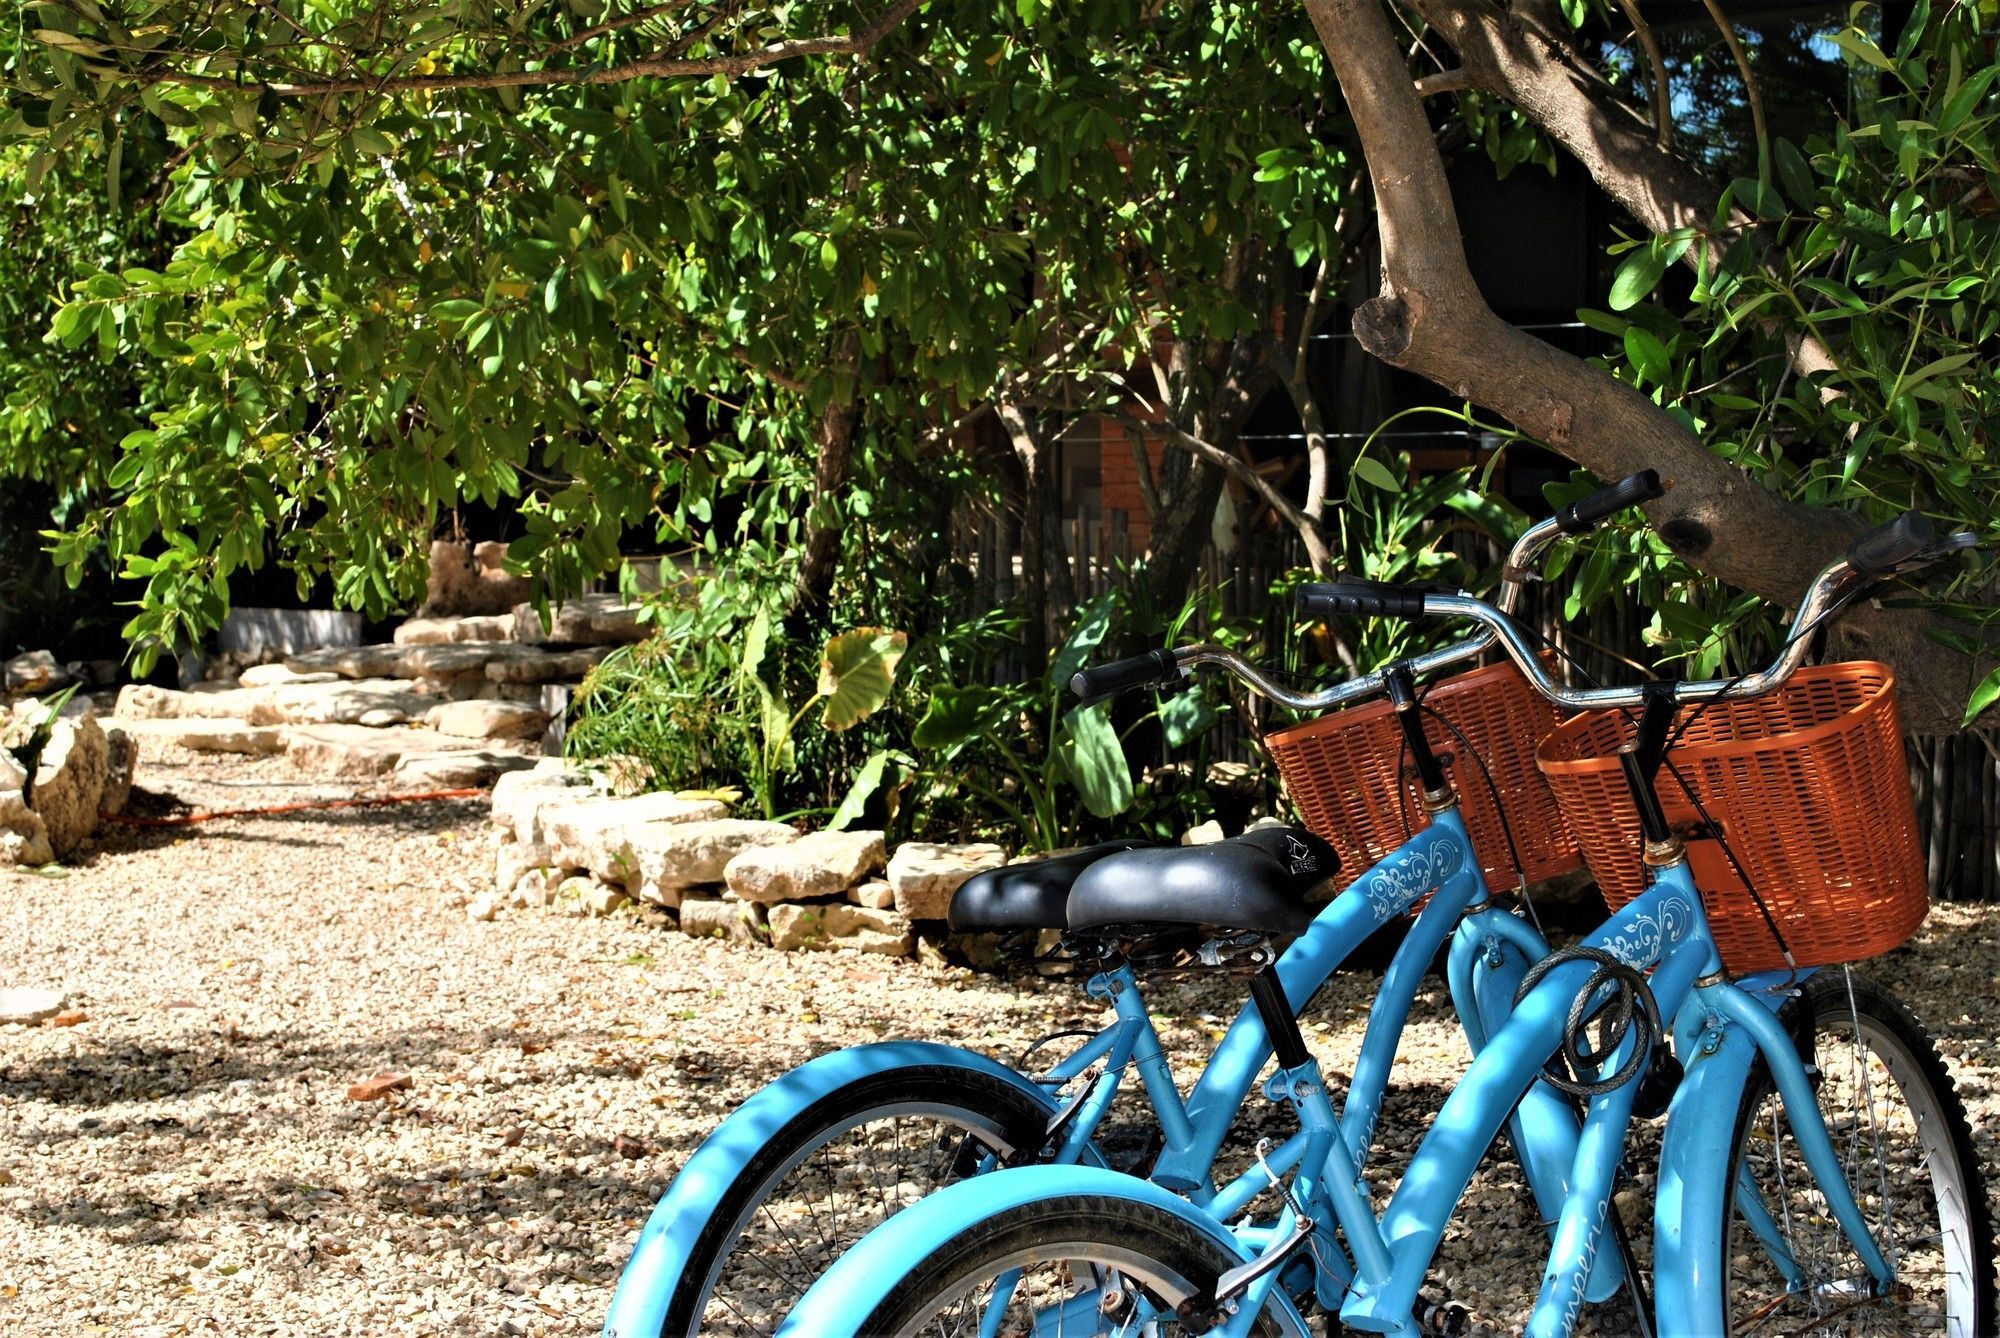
(190, 819)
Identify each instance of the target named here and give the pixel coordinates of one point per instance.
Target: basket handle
(1585, 515)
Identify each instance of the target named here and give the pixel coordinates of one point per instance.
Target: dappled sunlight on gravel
(188, 1158)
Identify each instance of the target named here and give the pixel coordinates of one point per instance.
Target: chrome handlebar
(1514, 575)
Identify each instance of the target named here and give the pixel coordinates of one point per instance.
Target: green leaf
(1095, 761)
(776, 722)
(958, 714)
(829, 255)
(1093, 622)
(1855, 44)
(1983, 696)
(755, 641)
(1492, 513)
(371, 142)
(1647, 355)
(867, 780)
(1758, 197)
(1636, 278)
(1185, 717)
(857, 670)
(1795, 173)
(1376, 474)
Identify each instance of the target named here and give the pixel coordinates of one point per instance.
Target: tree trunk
(824, 525)
(1430, 318)
(1047, 593)
(1236, 373)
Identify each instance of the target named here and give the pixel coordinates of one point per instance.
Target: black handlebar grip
(1352, 597)
(1155, 669)
(1901, 545)
(1581, 517)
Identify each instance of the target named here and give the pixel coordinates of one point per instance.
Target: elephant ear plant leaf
(857, 672)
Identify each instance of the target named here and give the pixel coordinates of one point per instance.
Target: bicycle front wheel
(1906, 1149)
(834, 1172)
(1069, 1263)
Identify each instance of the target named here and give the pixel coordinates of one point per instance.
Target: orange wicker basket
(1810, 789)
(1340, 771)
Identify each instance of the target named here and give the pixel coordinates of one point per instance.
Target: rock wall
(563, 839)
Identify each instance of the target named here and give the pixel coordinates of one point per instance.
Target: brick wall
(1119, 478)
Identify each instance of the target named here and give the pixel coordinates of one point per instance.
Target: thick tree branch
(1522, 56)
(1430, 318)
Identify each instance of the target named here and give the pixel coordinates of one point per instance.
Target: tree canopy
(727, 271)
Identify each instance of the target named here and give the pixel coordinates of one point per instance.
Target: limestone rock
(537, 887)
(602, 899)
(339, 703)
(449, 661)
(719, 917)
(456, 770)
(588, 833)
(121, 760)
(379, 661)
(520, 797)
(922, 876)
(587, 896)
(533, 665)
(70, 781)
(587, 620)
(513, 862)
(280, 676)
(840, 926)
(876, 894)
(358, 752)
(304, 700)
(450, 631)
(22, 1004)
(482, 907)
(658, 861)
(382, 717)
(1208, 833)
(488, 720)
(34, 672)
(143, 701)
(209, 736)
(24, 840)
(824, 864)
(12, 775)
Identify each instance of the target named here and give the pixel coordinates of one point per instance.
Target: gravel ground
(187, 1159)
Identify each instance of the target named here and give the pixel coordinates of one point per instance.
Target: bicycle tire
(1897, 1073)
(1146, 1245)
(1002, 1116)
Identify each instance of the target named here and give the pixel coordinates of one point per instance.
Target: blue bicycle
(809, 1164)
(1863, 1211)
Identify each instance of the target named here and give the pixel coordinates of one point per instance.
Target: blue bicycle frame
(1489, 954)
(1717, 1025)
